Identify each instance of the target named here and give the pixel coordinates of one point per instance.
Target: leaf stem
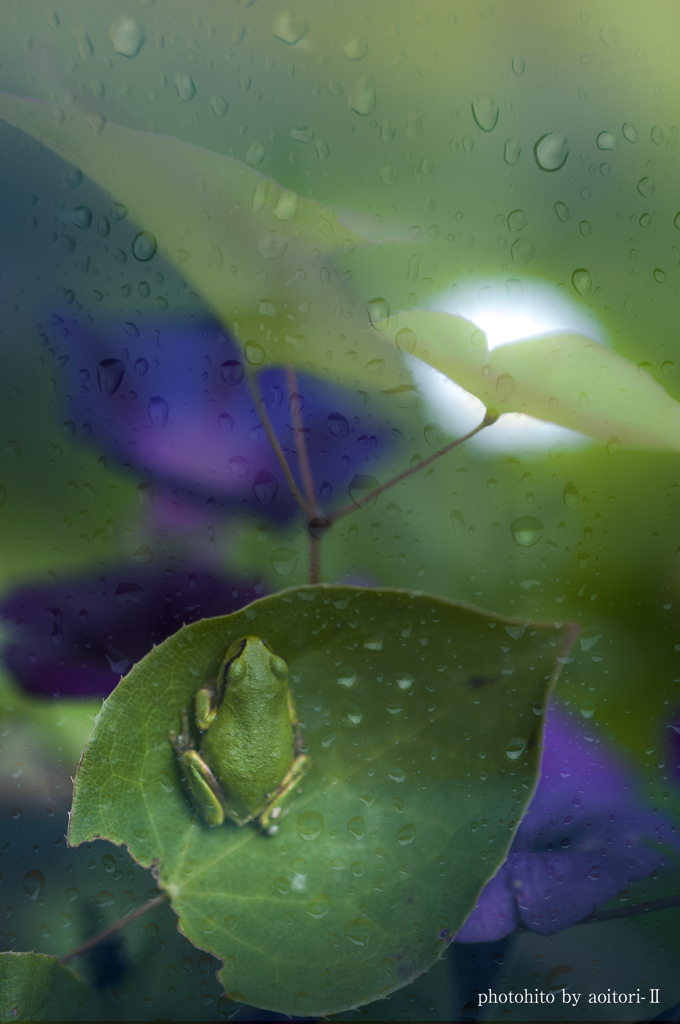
(111, 930)
(274, 441)
(490, 417)
(664, 903)
(306, 470)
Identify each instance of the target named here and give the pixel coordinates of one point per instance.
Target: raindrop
(393, 708)
(407, 341)
(338, 425)
(397, 774)
(355, 715)
(232, 371)
(562, 211)
(300, 866)
(606, 141)
(281, 885)
(406, 834)
(310, 826)
(144, 247)
(434, 434)
(378, 310)
(360, 486)
(127, 36)
(522, 251)
(570, 495)
(515, 748)
(82, 217)
(255, 154)
(17, 770)
(358, 868)
(347, 677)
(613, 445)
(356, 49)
(582, 282)
(319, 906)
(320, 527)
(254, 353)
(375, 643)
(110, 375)
(33, 882)
(230, 923)
(506, 385)
(219, 105)
(537, 708)
(184, 84)
(358, 931)
(366, 795)
(265, 486)
(512, 151)
(589, 637)
(646, 187)
(551, 151)
(289, 28)
(659, 275)
(284, 561)
(559, 977)
(517, 220)
(528, 581)
(630, 132)
(141, 367)
(526, 531)
(362, 98)
(588, 708)
(158, 411)
(518, 66)
(656, 135)
(225, 421)
(104, 898)
(485, 112)
(143, 555)
(239, 467)
(357, 827)
(166, 782)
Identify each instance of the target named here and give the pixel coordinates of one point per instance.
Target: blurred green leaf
(261, 256)
(423, 717)
(567, 379)
(34, 986)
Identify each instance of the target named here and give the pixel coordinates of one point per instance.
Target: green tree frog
(248, 761)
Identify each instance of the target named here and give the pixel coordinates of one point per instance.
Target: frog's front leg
(206, 705)
(276, 805)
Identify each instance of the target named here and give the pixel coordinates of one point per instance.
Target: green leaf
(567, 379)
(261, 256)
(418, 717)
(34, 986)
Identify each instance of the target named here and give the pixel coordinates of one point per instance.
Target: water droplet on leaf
(127, 36)
(485, 112)
(582, 282)
(109, 376)
(310, 826)
(284, 561)
(515, 748)
(526, 531)
(406, 834)
(158, 411)
(144, 247)
(551, 151)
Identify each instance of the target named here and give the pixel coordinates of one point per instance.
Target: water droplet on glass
(522, 251)
(613, 445)
(570, 495)
(289, 28)
(378, 310)
(320, 527)
(319, 906)
(33, 882)
(347, 676)
(518, 66)
(362, 98)
(551, 151)
(109, 375)
(356, 49)
(659, 275)
(158, 411)
(225, 421)
(588, 708)
(582, 282)
(357, 827)
(232, 371)
(485, 112)
(397, 774)
(646, 187)
(537, 708)
(239, 466)
(559, 977)
(434, 434)
(355, 715)
(265, 486)
(512, 151)
(281, 885)
(526, 531)
(127, 36)
(184, 85)
(82, 217)
(589, 637)
(515, 748)
(310, 826)
(144, 247)
(562, 211)
(360, 486)
(405, 681)
(358, 931)
(407, 341)
(406, 834)
(284, 561)
(254, 353)
(104, 898)
(517, 220)
(338, 425)
(630, 132)
(506, 385)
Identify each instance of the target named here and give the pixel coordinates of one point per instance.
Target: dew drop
(588, 708)
(110, 373)
(358, 931)
(158, 411)
(406, 834)
(33, 882)
(630, 132)
(526, 531)
(362, 98)
(319, 906)
(144, 247)
(310, 826)
(378, 310)
(265, 486)
(407, 341)
(562, 211)
(582, 282)
(485, 112)
(613, 445)
(284, 561)
(289, 28)
(347, 676)
(512, 151)
(515, 748)
(357, 827)
(184, 86)
(397, 774)
(646, 187)
(551, 151)
(570, 495)
(338, 425)
(127, 36)
(606, 141)
(361, 485)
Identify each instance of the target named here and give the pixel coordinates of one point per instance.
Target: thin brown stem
(274, 441)
(111, 930)
(490, 418)
(664, 903)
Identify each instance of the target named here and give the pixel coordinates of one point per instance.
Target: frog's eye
(278, 666)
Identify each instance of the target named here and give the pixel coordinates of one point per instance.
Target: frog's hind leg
(203, 786)
(277, 804)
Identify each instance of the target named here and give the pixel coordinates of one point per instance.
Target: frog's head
(250, 658)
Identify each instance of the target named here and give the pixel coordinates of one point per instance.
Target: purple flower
(585, 837)
(172, 399)
(77, 637)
